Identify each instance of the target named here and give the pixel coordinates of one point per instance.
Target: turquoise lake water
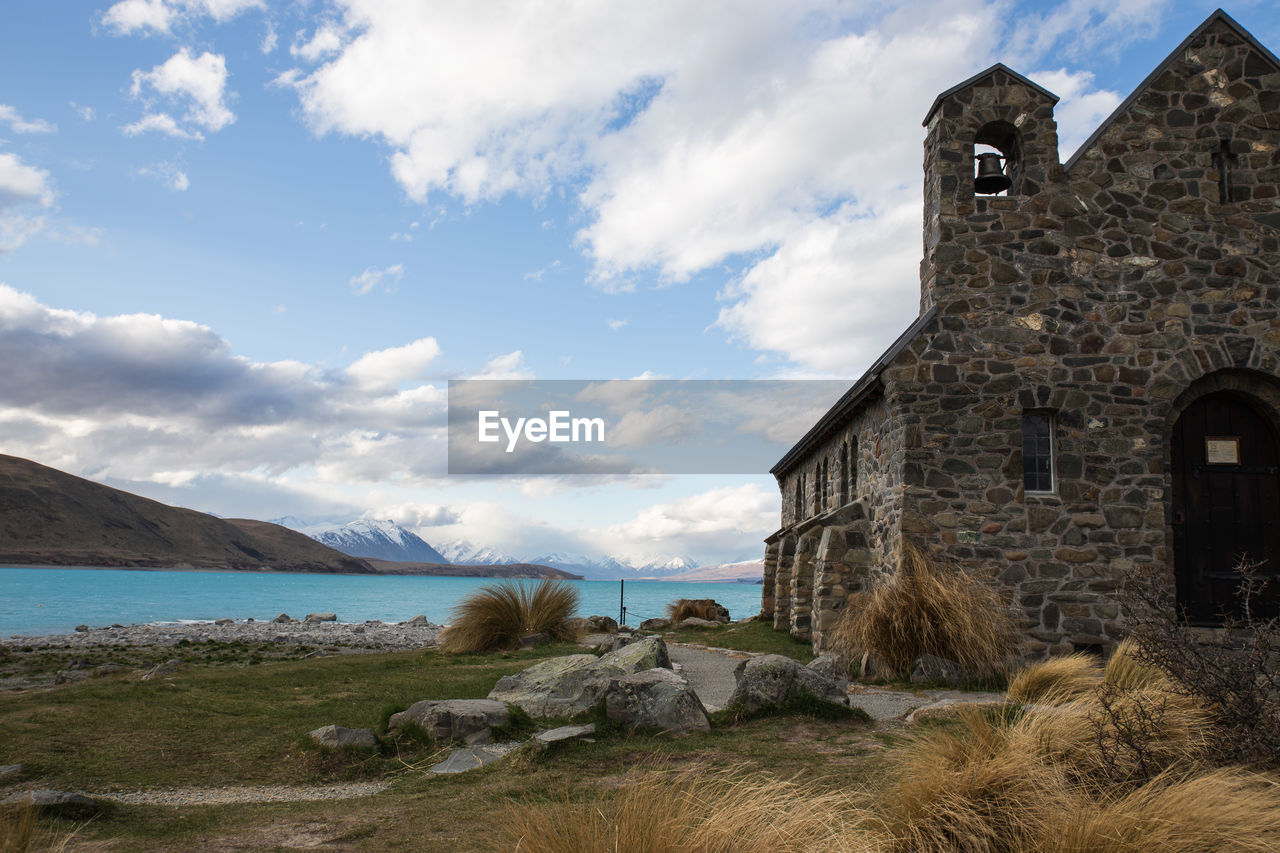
(53, 601)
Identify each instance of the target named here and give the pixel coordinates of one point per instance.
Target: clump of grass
(796, 704)
(497, 617)
(1127, 671)
(1225, 810)
(1057, 680)
(699, 608)
(20, 832)
(692, 811)
(927, 607)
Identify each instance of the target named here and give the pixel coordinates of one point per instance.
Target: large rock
(63, 804)
(835, 667)
(657, 623)
(931, 669)
(602, 624)
(466, 720)
(656, 699)
(337, 737)
(695, 622)
(321, 617)
(572, 684)
(647, 653)
(771, 680)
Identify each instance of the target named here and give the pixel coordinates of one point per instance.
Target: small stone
(8, 770)
(337, 737)
(462, 760)
(418, 621)
(65, 676)
(80, 629)
(283, 619)
(160, 669)
(565, 733)
(224, 622)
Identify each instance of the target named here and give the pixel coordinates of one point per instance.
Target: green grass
(753, 636)
(214, 724)
(87, 735)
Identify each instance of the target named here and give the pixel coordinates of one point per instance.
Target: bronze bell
(991, 177)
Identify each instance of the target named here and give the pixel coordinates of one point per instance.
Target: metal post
(622, 602)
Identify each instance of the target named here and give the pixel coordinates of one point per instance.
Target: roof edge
(999, 66)
(1218, 15)
(849, 404)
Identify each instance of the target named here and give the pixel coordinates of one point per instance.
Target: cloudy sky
(245, 243)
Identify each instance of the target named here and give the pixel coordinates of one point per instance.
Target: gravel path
(709, 671)
(229, 794)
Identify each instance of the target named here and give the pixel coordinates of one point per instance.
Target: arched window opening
(997, 160)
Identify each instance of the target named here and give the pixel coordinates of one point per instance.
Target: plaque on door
(1222, 451)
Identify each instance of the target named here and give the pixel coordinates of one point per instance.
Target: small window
(1037, 452)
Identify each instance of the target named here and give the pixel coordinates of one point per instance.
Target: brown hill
(455, 570)
(51, 518)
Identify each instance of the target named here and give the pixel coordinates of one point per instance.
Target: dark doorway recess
(1226, 507)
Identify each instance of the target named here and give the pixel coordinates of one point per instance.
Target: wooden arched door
(1226, 507)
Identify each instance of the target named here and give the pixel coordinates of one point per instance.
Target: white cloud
(508, 366)
(26, 194)
(168, 174)
(132, 395)
(269, 39)
(10, 116)
(85, 113)
(386, 280)
(1081, 109)
(160, 123)
(130, 15)
(720, 521)
(199, 82)
(783, 144)
(325, 42)
(615, 325)
(160, 16)
(389, 367)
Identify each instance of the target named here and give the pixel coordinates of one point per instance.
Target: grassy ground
(753, 636)
(220, 720)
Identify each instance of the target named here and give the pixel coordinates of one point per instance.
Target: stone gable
(1104, 297)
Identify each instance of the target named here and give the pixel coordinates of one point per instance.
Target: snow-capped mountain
(613, 568)
(463, 553)
(364, 537)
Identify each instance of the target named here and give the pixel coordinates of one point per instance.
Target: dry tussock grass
(693, 812)
(20, 832)
(684, 608)
(930, 608)
(1057, 680)
(1227, 810)
(1126, 671)
(496, 617)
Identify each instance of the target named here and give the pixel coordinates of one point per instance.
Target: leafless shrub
(1232, 670)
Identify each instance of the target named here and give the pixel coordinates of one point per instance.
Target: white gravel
(365, 635)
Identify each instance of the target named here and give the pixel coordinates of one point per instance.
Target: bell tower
(990, 155)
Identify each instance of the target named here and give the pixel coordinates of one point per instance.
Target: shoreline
(372, 634)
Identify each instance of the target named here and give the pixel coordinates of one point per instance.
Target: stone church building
(1093, 383)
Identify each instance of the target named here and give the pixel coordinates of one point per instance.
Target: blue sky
(244, 244)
